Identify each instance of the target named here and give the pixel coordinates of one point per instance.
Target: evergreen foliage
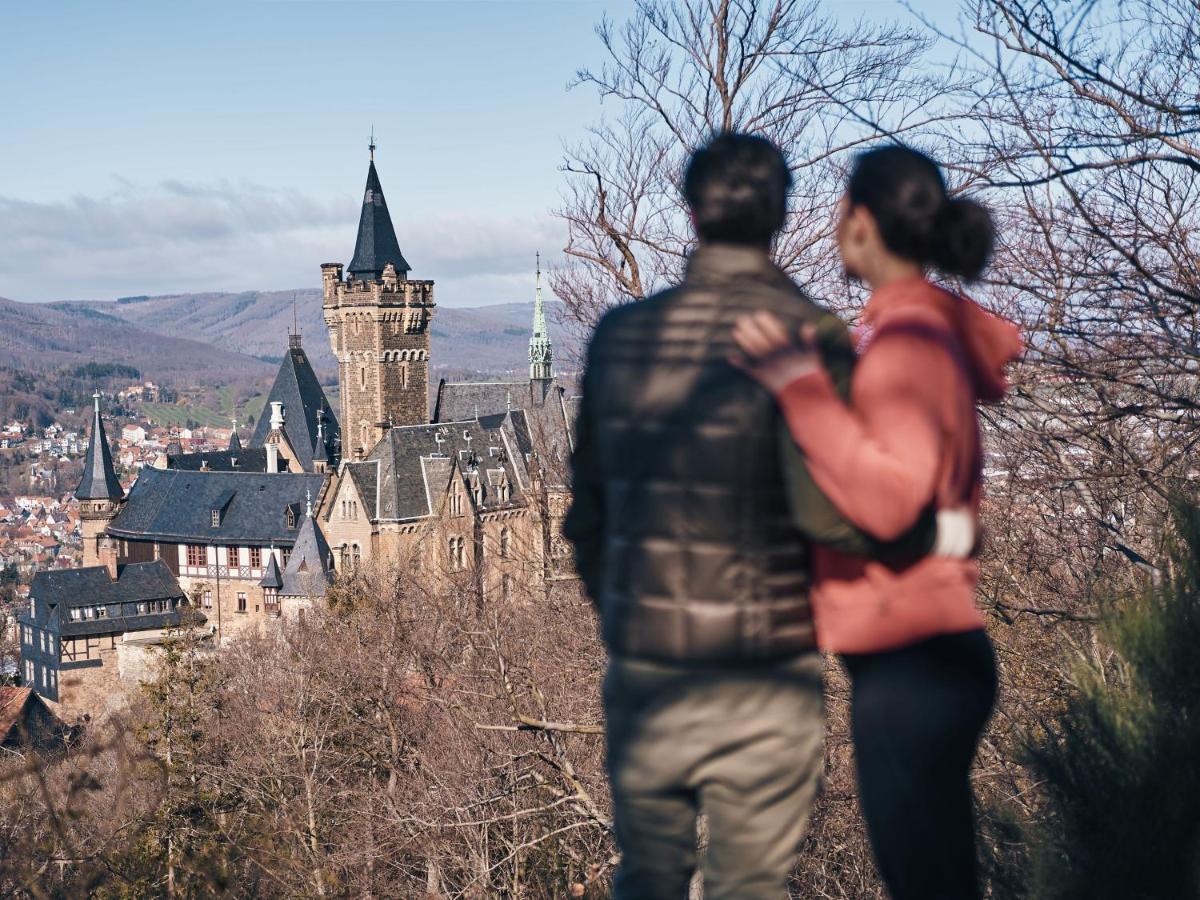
(1121, 763)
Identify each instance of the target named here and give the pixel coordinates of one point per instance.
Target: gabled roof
(94, 586)
(58, 590)
(409, 469)
(176, 505)
(376, 245)
(542, 413)
(307, 571)
(297, 388)
(99, 481)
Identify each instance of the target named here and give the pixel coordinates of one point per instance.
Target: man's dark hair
(737, 186)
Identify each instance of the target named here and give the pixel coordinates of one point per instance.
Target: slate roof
(253, 459)
(176, 505)
(297, 388)
(272, 577)
(409, 468)
(547, 421)
(59, 590)
(376, 245)
(99, 481)
(235, 442)
(307, 571)
(94, 586)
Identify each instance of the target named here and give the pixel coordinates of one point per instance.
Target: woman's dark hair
(905, 191)
(736, 186)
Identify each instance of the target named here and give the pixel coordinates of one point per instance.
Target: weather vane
(371, 145)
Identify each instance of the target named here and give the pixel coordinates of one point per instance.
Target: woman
(921, 665)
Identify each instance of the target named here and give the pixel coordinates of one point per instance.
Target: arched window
(505, 542)
(345, 558)
(362, 377)
(357, 554)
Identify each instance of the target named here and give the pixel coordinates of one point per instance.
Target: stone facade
(379, 332)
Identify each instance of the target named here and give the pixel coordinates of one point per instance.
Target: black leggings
(917, 717)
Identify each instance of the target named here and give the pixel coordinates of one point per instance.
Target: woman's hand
(772, 357)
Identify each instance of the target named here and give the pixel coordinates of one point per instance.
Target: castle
(474, 492)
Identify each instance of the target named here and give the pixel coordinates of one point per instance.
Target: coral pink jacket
(909, 436)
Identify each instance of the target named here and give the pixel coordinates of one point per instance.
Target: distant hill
(44, 337)
(490, 340)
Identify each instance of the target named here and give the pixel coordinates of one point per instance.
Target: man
(691, 519)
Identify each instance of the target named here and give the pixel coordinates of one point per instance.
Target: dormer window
(216, 518)
(291, 517)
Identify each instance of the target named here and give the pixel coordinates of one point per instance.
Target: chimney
(108, 555)
(276, 415)
(272, 457)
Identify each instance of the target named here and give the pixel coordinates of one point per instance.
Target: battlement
(392, 290)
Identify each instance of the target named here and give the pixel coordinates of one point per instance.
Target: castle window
(196, 555)
(256, 557)
(362, 431)
(233, 556)
(241, 600)
(344, 515)
(506, 587)
(357, 556)
(456, 503)
(458, 554)
(344, 564)
(271, 601)
(362, 377)
(404, 375)
(505, 542)
(354, 509)
(208, 600)
(291, 518)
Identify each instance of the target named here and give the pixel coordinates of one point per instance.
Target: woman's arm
(877, 459)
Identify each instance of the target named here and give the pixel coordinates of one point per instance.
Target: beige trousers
(743, 746)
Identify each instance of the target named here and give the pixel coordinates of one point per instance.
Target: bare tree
(680, 73)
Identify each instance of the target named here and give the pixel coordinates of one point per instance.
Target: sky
(154, 148)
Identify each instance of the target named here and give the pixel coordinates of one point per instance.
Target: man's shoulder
(633, 313)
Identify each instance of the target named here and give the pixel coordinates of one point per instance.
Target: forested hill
(46, 337)
(483, 340)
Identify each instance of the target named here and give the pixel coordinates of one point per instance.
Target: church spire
(541, 354)
(99, 481)
(376, 245)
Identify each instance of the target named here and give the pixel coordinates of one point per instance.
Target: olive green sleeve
(812, 512)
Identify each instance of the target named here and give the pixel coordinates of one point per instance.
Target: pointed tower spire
(541, 354)
(235, 443)
(99, 481)
(376, 245)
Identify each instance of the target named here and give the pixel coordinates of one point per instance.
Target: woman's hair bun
(906, 193)
(965, 238)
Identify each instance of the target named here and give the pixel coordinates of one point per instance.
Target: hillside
(44, 337)
(476, 340)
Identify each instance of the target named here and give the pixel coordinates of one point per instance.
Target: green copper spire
(541, 355)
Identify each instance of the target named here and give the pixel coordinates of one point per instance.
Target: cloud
(175, 237)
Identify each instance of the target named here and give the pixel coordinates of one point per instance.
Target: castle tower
(378, 322)
(99, 493)
(541, 354)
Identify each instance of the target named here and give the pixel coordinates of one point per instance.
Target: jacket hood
(989, 342)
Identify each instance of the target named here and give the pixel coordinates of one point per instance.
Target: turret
(99, 493)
